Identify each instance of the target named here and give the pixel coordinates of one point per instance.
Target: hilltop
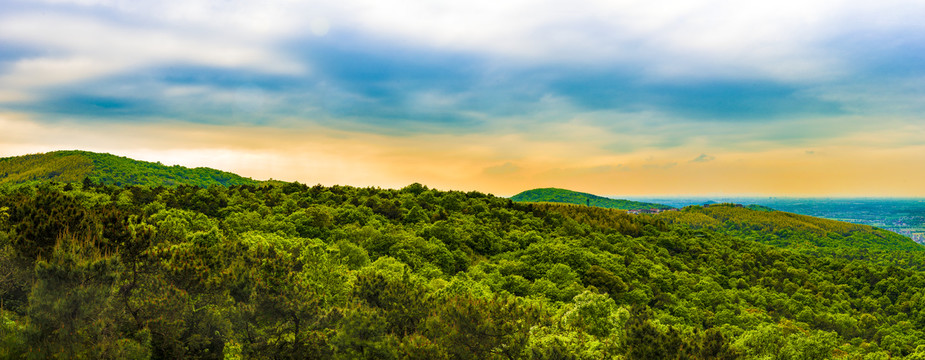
(75, 166)
(555, 195)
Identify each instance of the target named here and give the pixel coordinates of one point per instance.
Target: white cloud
(29, 73)
(233, 18)
(788, 41)
(82, 48)
(781, 40)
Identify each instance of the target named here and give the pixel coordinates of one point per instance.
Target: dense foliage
(290, 271)
(74, 166)
(788, 229)
(807, 234)
(554, 195)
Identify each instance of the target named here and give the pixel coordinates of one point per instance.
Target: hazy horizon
(794, 98)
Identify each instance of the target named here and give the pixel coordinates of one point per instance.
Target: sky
(616, 97)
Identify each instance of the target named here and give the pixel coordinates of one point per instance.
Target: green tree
(72, 311)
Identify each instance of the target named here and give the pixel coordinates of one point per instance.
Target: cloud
(784, 41)
(735, 100)
(703, 158)
(82, 48)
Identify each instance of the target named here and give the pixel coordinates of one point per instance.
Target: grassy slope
(57, 166)
(74, 166)
(555, 195)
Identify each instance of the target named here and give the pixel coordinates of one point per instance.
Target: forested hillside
(291, 271)
(555, 195)
(75, 166)
(788, 229)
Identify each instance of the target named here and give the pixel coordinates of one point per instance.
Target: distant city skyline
(792, 98)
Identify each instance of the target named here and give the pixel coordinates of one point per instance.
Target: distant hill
(786, 229)
(75, 166)
(555, 195)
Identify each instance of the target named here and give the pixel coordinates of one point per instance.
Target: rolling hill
(556, 195)
(75, 166)
(786, 229)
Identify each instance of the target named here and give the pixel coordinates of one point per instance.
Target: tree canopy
(76, 166)
(286, 270)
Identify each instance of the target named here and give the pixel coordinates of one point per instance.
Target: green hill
(75, 166)
(573, 197)
(786, 229)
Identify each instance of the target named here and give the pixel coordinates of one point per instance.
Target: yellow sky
(502, 164)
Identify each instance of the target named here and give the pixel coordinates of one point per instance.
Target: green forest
(75, 166)
(99, 270)
(555, 195)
